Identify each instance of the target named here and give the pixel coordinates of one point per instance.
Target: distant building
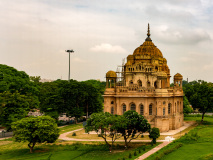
(45, 80)
(143, 85)
(35, 113)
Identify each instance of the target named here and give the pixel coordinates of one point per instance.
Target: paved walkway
(147, 154)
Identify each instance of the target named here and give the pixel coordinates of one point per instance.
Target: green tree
(133, 126)
(186, 106)
(74, 98)
(17, 95)
(35, 130)
(105, 125)
(200, 95)
(14, 106)
(154, 134)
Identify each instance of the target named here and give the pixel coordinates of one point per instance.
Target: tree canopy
(200, 95)
(17, 95)
(130, 126)
(74, 98)
(35, 130)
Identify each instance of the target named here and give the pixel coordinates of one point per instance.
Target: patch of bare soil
(5, 142)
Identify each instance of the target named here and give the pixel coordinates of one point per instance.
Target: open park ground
(197, 144)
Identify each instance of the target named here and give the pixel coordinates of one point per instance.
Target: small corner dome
(178, 76)
(111, 74)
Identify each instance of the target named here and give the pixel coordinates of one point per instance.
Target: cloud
(108, 48)
(76, 59)
(182, 35)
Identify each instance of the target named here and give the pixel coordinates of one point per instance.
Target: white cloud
(76, 59)
(108, 48)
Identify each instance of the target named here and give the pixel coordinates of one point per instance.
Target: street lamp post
(69, 51)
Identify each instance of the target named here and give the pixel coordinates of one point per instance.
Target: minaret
(148, 35)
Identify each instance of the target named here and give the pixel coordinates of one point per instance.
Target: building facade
(143, 85)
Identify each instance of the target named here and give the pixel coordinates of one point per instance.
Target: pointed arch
(132, 106)
(150, 109)
(112, 110)
(139, 83)
(123, 108)
(141, 109)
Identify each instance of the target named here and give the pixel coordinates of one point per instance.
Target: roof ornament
(148, 34)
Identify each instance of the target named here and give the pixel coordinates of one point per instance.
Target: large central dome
(148, 48)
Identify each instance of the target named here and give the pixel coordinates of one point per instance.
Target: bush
(73, 134)
(139, 151)
(154, 134)
(135, 153)
(130, 155)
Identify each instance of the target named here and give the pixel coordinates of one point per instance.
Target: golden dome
(148, 48)
(111, 74)
(178, 76)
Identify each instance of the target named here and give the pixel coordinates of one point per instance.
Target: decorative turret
(178, 78)
(111, 77)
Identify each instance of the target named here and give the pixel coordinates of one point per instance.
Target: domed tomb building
(143, 85)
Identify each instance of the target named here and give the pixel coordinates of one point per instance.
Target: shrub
(130, 155)
(135, 153)
(73, 134)
(154, 134)
(139, 151)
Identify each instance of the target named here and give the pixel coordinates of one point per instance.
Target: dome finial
(148, 34)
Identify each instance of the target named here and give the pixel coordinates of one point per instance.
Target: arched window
(169, 108)
(141, 110)
(130, 82)
(178, 106)
(148, 84)
(139, 83)
(164, 111)
(155, 84)
(112, 102)
(133, 107)
(124, 108)
(112, 110)
(150, 109)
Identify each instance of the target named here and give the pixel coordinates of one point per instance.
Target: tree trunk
(126, 143)
(31, 147)
(202, 117)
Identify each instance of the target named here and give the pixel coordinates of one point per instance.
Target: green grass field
(78, 151)
(196, 145)
(70, 127)
(10, 150)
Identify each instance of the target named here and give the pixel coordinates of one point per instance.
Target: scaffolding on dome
(120, 74)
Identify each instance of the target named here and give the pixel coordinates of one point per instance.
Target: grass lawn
(196, 145)
(70, 127)
(70, 150)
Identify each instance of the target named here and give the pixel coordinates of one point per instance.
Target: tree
(134, 125)
(200, 95)
(14, 106)
(17, 95)
(35, 130)
(74, 98)
(154, 134)
(186, 106)
(105, 125)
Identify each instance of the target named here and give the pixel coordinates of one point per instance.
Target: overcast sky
(34, 35)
